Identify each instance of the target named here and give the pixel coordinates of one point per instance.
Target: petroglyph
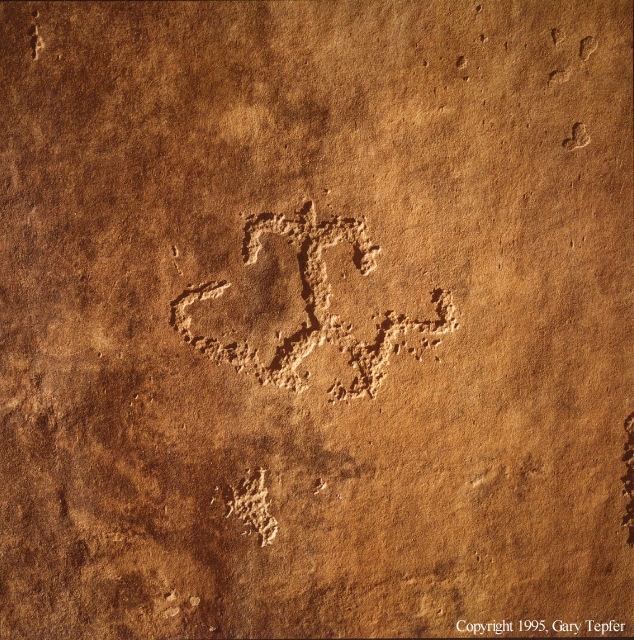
(369, 360)
(580, 137)
(558, 36)
(628, 478)
(251, 504)
(36, 42)
(587, 47)
(559, 76)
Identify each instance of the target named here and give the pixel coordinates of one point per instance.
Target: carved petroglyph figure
(310, 238)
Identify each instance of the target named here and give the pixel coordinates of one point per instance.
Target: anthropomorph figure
(309, 238)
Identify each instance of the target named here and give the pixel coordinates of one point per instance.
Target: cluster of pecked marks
(251, 504)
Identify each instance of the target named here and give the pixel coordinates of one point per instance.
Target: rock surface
(412, 405)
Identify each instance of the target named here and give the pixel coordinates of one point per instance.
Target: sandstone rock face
(316, 318)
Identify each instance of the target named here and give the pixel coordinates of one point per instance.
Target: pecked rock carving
(368, 359)
(35, 40)
(580, 137)
(628, 478)
(587, 47)
(251, 504)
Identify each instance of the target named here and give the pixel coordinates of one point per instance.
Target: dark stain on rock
(131, 591)
(78, 554)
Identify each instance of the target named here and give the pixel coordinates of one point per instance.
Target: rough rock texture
(415, 394)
